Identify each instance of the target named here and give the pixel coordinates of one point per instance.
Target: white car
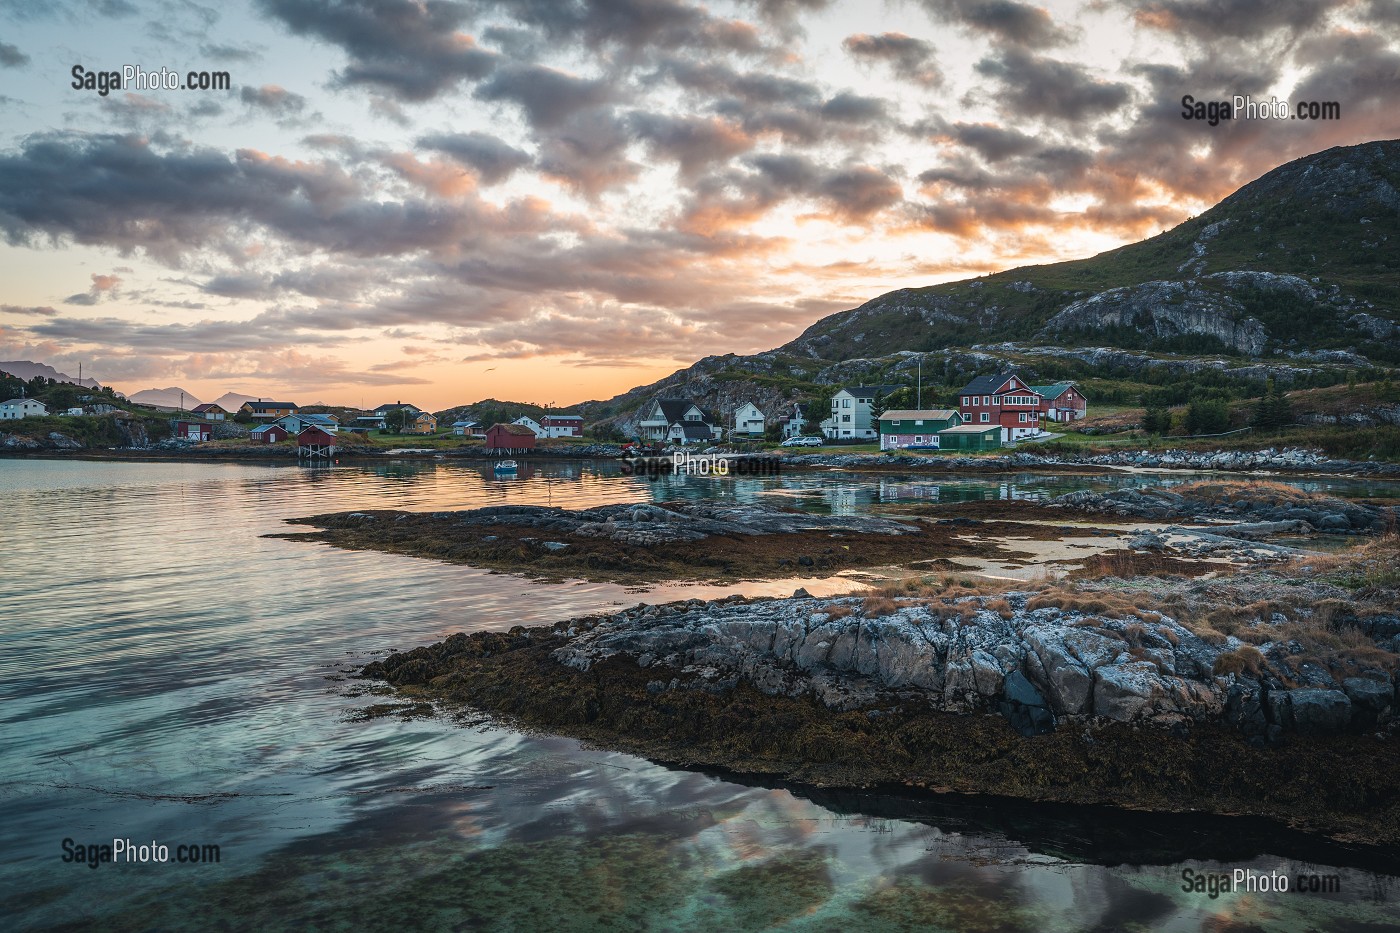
(802, 442)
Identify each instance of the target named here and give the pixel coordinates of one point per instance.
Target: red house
(562, 425)
(269, 434)
(194, 430)
(313, 442)
(509, 438)
(1063, 401)
(1003, 400)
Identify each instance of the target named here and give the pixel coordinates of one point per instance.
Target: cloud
(11, 56)
(909, 58)
(1035, 86)
(411, 51)
(1212, 20)
(1007, 20)
(31, 311)
(548, 97)
(633, 24)
(276, 100)
(121, 192)
(103, 286)
(694, 142)
(490, 157)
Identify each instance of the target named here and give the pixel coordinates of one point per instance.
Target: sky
(554, 200)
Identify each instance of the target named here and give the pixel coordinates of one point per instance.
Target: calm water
(170, 675)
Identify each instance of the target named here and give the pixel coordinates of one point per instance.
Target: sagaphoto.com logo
(1244, 107)
(136, 78)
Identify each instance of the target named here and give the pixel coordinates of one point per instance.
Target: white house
(17, 408)
(795, 423)
(677, 420)
(748, 420)
(851, 410)
(532, 424)
(562, 425)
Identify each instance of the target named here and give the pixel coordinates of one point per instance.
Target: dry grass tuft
(875, 606)
(1244, 659)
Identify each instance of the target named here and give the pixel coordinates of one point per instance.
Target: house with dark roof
(794, 422)
(387, 407)
(211, 411)
(852, 412)
(264, 410)
(1062, 401)
(1004, 400)
(667, 419)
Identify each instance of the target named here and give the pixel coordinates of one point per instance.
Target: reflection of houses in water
(952, 492)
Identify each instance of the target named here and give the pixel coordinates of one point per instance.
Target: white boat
(506, 466)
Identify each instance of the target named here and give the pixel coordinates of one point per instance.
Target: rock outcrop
(1038, 667)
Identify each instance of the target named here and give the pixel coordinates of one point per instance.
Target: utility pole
(182, 401)
(919, 404)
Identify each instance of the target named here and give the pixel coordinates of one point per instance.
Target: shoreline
(1288, 462)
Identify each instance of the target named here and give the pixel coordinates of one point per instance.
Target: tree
(1157, 421)
(1207, 417)
(395, 419)
(1273, 410)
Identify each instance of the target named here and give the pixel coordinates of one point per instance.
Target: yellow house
(421, 423)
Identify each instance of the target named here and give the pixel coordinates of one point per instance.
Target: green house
(915, 428)
(970, 438)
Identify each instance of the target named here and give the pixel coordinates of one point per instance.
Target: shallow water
(170, 675)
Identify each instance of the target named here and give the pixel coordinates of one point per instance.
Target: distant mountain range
(26, 369)
(165, 398)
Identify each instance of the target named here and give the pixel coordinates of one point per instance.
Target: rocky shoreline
(1286, 460)
(1117, 692)
(642, 543)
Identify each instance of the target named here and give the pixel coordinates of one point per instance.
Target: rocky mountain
(166, 398)
(1297, 270)
(26, 370)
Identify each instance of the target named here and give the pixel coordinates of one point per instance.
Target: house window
(966, 401)
(1023, 417)
(845, 403)
(918, 438)
(986, 417)
(845, 417)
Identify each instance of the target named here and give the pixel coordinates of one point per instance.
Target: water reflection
(167, 673)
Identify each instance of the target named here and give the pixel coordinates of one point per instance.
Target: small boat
(506, 466)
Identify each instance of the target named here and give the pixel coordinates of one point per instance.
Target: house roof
(564, 417)
(369, 418)
(674, 409)
(518, 430)
(696, 429)
(927, 414)
(1053, 391)
(207, 406)
(314, 433)
(869, 391)
(265, 428)
(20, 401)
(986, 384)
(314, 419)
(463, 424)
(971, 429)
(390, 406)
(260, 404)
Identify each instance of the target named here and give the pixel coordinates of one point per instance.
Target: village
(990, 412)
